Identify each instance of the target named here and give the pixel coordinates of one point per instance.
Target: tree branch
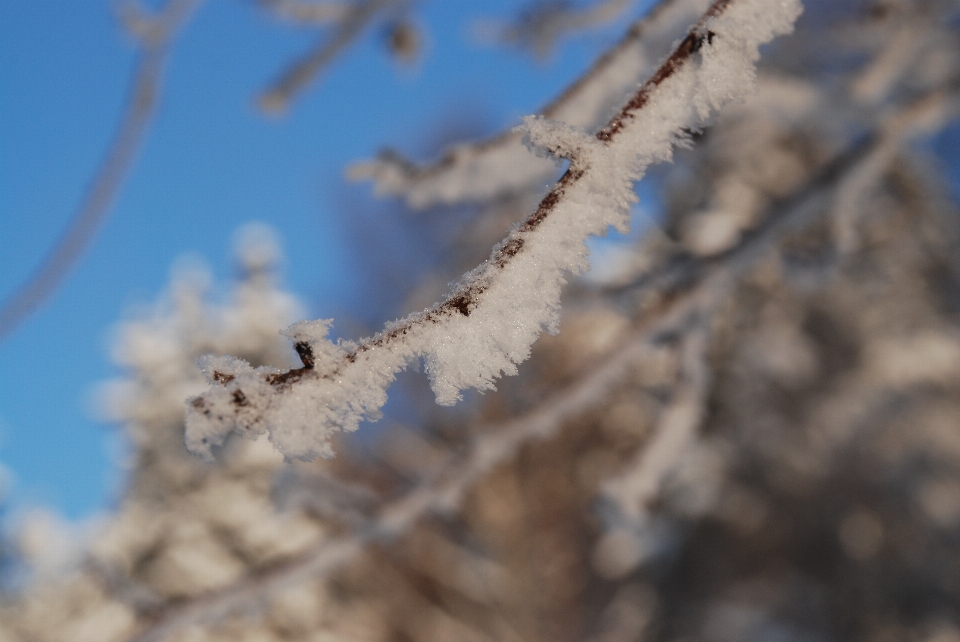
(298, 75)
(156, 39)
(539, 27)
(488, 322)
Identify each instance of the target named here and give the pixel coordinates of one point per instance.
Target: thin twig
(156, 43)
(299, 74)
(314, 13)
(539, 27)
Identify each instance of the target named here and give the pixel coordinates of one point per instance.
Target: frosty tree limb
(501, 164)
(486, 325)
(444, 491)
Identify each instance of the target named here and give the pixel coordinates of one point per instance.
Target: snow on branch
(487, 324)
(499, 165)
(443, 490)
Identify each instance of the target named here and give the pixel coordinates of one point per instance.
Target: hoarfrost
(488, 323)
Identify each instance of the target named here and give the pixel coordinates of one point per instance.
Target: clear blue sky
(210, 163)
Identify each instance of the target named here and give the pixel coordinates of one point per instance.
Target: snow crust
(508, 301)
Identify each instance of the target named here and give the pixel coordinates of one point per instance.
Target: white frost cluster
(159, 346)
(488, 324)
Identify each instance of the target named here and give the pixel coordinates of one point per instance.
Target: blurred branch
(633, 491)
(155, 35)
(316, 13)
(541, 25)
(923, 116)
(324, 496)
(350, 22)
(639, 483)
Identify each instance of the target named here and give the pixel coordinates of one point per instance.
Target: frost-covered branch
(486, 326)
(445, 488)
(602, 512)
(617, 504)
(502, 164)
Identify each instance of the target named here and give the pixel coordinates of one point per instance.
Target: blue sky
(210, 163)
